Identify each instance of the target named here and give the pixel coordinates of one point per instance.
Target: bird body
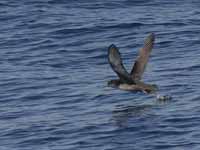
(132, 81)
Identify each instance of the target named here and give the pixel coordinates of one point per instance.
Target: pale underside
(131, 81)
(146, 88)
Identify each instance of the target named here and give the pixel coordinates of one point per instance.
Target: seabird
(132, 81)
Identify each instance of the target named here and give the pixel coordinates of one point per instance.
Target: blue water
(54, 73)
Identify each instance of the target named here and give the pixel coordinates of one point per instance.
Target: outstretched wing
(115, 61)
(142, 59)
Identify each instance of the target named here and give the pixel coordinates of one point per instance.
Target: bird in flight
(132, 81)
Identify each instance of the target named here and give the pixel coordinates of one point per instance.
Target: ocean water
(54, 72)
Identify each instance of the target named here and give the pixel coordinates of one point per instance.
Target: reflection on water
(122, 113)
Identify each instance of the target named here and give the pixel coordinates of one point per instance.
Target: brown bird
(132, 81)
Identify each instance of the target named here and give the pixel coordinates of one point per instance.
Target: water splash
(162, 97)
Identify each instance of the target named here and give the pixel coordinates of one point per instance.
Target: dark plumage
(131, 81)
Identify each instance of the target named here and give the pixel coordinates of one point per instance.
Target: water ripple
(54, 71)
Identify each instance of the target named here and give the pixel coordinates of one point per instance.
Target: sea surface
(54, 72)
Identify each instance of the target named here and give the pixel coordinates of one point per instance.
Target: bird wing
(142, 59)
(115, 61)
